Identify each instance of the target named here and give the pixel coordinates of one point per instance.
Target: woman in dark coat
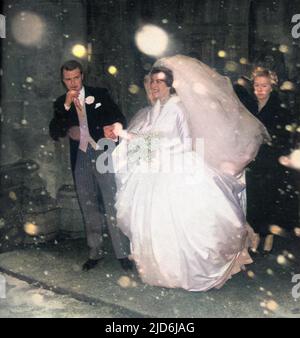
(272, 197)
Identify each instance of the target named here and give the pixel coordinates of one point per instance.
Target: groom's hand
(71, 95)
(109, 132)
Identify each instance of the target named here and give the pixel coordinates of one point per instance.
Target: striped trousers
(91, 187)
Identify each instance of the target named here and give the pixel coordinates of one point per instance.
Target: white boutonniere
(99, 104)
(89, 100)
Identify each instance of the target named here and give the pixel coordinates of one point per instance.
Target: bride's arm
(183, 129)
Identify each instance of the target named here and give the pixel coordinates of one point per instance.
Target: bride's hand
(119, 131)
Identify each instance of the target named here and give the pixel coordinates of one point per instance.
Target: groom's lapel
(89, 108)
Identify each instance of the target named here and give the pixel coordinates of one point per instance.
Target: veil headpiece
(231, 134)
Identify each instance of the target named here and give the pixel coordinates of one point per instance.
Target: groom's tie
(83, 124)
(85, 137)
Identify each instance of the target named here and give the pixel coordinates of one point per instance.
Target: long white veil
(231, 134)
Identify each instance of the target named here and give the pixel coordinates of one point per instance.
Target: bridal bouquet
(143, 147)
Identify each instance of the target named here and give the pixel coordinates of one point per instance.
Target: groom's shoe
(90, 264)
(126, 264)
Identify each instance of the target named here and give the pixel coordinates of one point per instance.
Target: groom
(86, 115)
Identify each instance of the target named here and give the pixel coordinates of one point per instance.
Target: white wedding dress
(187, 228)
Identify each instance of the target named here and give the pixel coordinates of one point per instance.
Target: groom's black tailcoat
(106, 113)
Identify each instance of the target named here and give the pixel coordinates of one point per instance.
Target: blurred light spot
(283, 48)
(271, 305)
(79, 51)
(243, 61)
(270, 272)
(2, 223)
(165, 21)
(151, 40)
(124, 282)
(276, 230)
(12, 195)
(285, 252)
(133, 89)
(281, 260)
(291, 256)
(231, 66)
(29, 79)
(31, 229)
(112, 70)
(213, 42)
(222, 54)
(28, 28)
(242, 82)
(287, 85)
(251, 274)
(297, 232)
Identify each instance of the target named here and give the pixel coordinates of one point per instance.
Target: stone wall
(40, 35)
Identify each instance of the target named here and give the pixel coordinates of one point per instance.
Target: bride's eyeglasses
(157, 81)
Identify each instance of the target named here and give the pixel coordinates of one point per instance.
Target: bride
(183, 205)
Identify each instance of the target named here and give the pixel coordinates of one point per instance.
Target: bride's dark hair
(169, 76)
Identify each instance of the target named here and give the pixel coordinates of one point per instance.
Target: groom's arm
(112, 114)
(61, 122)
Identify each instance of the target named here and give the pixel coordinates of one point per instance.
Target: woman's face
(158, 87)
(262, 87)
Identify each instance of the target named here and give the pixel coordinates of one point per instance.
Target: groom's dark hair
(70, 65)
(169, 76)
